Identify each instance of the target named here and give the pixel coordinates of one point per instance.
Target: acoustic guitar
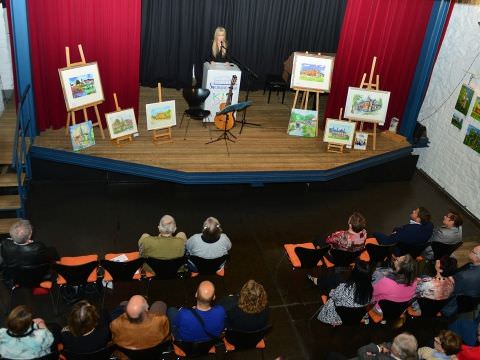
(226, 121)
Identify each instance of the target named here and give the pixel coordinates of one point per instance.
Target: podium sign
(217, 78)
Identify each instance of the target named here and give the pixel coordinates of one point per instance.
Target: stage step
(10, 202)
(6, 223)
(10, 180)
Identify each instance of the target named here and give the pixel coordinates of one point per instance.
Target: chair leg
(283, 96)
(269, 94)
(50, 292)
(186, 129)
(314, 316)
(181, 121)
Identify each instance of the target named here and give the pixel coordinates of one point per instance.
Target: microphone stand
(250, 73)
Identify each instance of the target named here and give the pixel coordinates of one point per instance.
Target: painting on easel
(82, 135)
(121, 123)
(303, 123)
(312, 71)
(161, 115)
(81, 85)
(339, 132)
(367, 105)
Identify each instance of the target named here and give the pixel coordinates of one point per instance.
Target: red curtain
(109, 31)
(391, 30)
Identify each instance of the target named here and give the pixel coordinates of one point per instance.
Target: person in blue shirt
(203, 322)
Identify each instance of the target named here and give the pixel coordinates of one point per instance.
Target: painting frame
(464, 99)
(360, 141)
(80, 95)
(162, 107)
(472, 138)
(354, 110)
(82, 135)
(305, 64)
(124, 114)
(303, 123)
(348, 127)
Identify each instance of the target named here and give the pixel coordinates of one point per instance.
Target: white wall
(6, 74)
(449, 162)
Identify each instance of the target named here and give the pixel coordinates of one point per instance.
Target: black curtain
(261, 33)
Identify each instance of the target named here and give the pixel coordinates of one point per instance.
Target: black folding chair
(379, 254)
(392, 310)
(154, 353)
(342, 258)
(102, 354)
(309, 258)
(430, 308)
(236, 340)
(195, 97)
(440, 249)
(351, 315)
(167, 270)
(414, 251)
(193, 349)
(208, 266)
(467, 304)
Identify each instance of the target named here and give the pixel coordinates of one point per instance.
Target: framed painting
(312, 71)
(121, 123)
(81, 85)
(464, 99)
(339, 132)
(457, 119)
(161, 115)
(360, 142)
(472, 138)
(367, 105)
(303, 123)
(476, 109)
(82, 135)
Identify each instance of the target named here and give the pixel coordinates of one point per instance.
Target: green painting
(464, 99)
(457, 119)
(472, 138)
(476, 109)
(303, 123)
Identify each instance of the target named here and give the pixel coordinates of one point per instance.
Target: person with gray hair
(404, 347)
(167, 245)
(21, 251)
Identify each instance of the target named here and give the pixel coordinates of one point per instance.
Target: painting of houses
(82, 135)
(303, 123)
(82, 85)
(161, 115)
(367, 105)
(312, 71)
(121, 123)
(339, 132)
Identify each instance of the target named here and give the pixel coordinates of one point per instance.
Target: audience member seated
(138, 327)
(470, 352)
(212, 243)
(167, 245)
(404, 347)
(86, 331)
(417, 232)
(397, 284)
(449, 233)
(466, 329)
(201, 323)
(439, 287)
(249, 310)
(355, 292)
(20, 250)
(466, 281)
(352, 239)
(24, 337)
(446, 346)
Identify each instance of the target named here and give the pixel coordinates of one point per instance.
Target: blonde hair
(253, 298)
(215, 50)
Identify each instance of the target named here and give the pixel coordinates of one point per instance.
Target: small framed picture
(339, 132)
(360, 142)
(303, 123)
(161, 115)
(121, 123)
(367, 105)
(82, 135)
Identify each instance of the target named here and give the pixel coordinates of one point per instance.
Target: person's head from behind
(420, 215)
(446, 266)
(211, 230)
(447, 342)
(474, 255)
(357, 222)
(19, 321)
(406, 268)
(205, 294)
(167, 225)
(361, 278)
(83, 318)
(136, 309)
(21, 231)
(253, 298)
(405, 347)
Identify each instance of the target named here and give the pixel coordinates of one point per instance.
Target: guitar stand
(226, 134)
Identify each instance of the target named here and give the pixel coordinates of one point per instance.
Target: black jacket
(15, 255)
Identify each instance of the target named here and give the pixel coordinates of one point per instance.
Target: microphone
(221, 44)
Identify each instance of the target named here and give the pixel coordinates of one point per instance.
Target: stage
(263, 154)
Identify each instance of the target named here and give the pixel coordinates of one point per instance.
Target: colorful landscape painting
(82, 135)
(339, 132)
(476, 109)
(161, 115)
(121, 123)
(303, 123)
(82, 85)
(367, 105)
(464, 99)
(472, 138)
(312, 72)
(457, 119)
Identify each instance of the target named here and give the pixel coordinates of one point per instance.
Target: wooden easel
(164, 135)
(124, 137)
(336, 148)
(71, 112)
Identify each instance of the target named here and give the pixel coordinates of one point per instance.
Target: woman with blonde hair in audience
(25, 337)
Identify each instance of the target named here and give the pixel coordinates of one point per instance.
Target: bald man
(187, 322)
(138, 319)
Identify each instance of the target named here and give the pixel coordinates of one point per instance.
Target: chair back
(196, 348)
(195, 97)
(430, 308)
(246, 339)
(342, 258)
(76, 274)
(166, 269)
(415, 251)
(51, 356)
(467, 303)
(152, 353)
(351, 315)
(122, 271)
(309, 258)
(101, 354)
(379, 253)
(392, 309)
(28, 276)
(208, 266)
(441, 249)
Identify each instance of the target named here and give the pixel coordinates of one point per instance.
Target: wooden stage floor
(264, 149)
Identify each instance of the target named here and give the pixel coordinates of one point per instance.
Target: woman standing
(219, 45)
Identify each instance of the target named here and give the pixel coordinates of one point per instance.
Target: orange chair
(236, 340)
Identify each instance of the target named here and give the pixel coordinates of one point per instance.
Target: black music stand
(226, 134)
